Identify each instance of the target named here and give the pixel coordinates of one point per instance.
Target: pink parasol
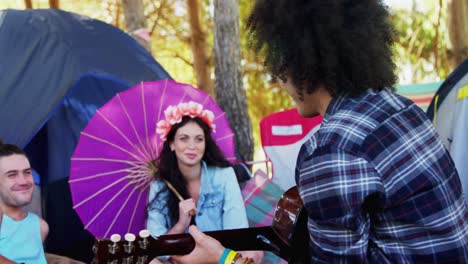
(111, 168)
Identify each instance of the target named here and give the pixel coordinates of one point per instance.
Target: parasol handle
(169, 185)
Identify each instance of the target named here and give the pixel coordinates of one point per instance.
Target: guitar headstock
(131, 249)
(140, 249)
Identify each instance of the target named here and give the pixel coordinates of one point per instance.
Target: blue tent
(57, 68)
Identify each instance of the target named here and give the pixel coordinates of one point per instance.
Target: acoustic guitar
(287, 237)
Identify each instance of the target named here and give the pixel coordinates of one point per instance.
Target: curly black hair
(344, 45)
(169, 170)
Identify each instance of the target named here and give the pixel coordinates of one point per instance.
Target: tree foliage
(422, 50)
(421, 42)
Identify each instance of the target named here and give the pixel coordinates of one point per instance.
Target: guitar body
(290, 224)
(287, 237)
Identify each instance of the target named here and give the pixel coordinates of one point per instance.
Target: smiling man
(21, 233)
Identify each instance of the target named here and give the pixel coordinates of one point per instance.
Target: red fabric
(286, 121)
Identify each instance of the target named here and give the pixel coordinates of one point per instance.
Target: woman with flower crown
(194, 183)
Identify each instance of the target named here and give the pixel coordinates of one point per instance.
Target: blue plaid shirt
(380, 187)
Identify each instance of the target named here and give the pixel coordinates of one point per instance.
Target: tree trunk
(28, 4)
(135, 22)
(230, 94)
(458, 31)
(201, 61)
(54, 4)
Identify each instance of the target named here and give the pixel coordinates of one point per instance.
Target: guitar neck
(258, 238)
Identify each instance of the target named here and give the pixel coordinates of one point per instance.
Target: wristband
(230, 257)
(224, 256)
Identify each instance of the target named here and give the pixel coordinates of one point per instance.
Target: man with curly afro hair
(376, 181)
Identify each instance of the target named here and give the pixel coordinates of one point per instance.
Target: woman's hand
(187, 209)
(207, 249)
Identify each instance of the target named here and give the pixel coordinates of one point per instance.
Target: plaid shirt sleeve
(338, 228)
(379, 187)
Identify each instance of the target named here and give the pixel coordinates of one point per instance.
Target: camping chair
(283, 134)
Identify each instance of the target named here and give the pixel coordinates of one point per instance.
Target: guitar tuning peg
(129, 237)
(144, 234)
(94, 249)
(114, 248)
(129, 247)
(115, 238)
(142, 260)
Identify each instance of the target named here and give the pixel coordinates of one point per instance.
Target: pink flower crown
(174, 114)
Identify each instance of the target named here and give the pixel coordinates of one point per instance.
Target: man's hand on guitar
(207, 249)
(255, 255)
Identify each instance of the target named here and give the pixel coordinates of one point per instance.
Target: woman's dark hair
(169, 170)
(343, 44)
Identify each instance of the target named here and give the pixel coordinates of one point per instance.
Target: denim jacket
(220, 204)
